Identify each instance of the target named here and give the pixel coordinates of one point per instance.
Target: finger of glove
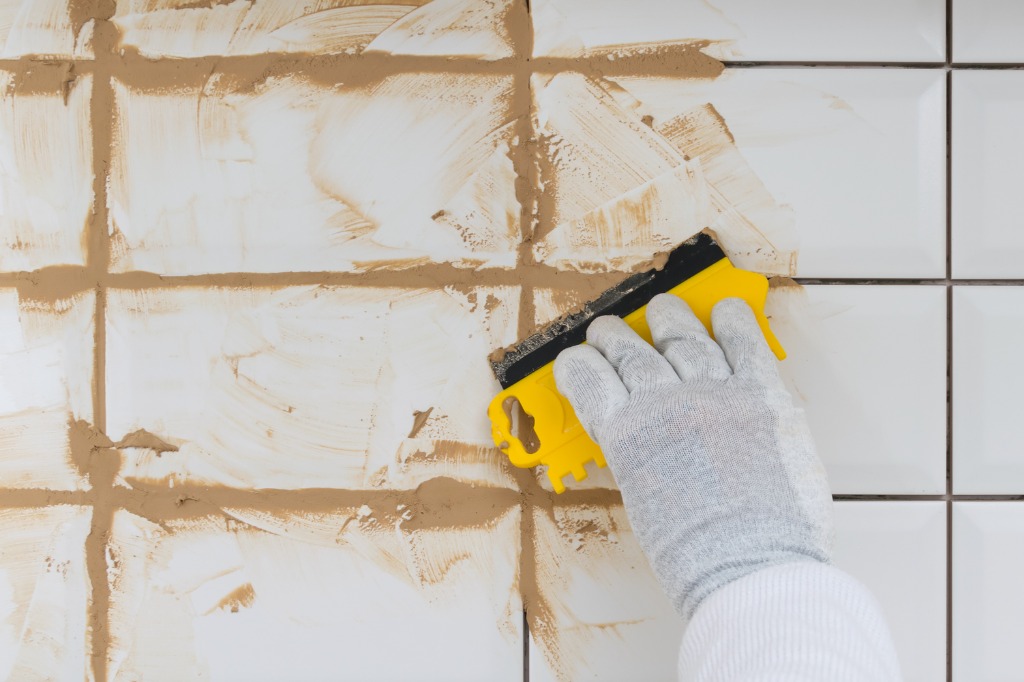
(742, 341)
(593, 388)
(682, 339)
(638, 364)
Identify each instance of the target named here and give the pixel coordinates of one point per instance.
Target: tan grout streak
(102, 463)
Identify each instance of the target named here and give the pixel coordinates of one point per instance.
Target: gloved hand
(717, 469)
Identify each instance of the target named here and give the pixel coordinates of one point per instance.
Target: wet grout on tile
(600, 613)
(223, 597)
(307, 387)
(45, 167)
(43, 593)
(468, 28)
(45, 390)
(291, 174)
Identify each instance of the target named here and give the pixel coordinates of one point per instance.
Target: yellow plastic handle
(558, 440)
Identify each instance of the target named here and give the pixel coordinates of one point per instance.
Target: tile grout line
(520, 29)
(102, 462)
(949, 341)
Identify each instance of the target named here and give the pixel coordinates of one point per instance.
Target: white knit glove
(717, 469)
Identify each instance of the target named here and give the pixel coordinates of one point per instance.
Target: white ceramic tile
(987, 31)
(45, 389)
(306, 386)
(793, 30)
(988, 169)
(44, 590)
(46, 28)
(839, 170)
(868, 364)
(298, 175)
(45, 169)
(988, 595)
(471, 28)
(337, 595)
(988, 434)
(898, 550)
(603, 616)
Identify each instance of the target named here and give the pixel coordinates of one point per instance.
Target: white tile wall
(988, 169)
(873, 30)
(216, 599)
(988, 596)
(44, 593)
(988, 435)
(898, 550)
(248, 138)
(987, 31)
(329, 376)
(868, 364)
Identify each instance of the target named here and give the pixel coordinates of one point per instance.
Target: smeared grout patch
(626, 185)
(45, 171)
(305, 386)
(43, 593)
(620, 191)
(264, 179)
(321, 586)
(602, 607)
(45, 386)
(468, 28)
(167, 29)
(45, 28)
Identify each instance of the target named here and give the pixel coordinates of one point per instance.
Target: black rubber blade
(686, 260)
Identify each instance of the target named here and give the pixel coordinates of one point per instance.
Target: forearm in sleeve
(794, 622)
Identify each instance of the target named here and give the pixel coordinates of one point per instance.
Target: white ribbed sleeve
(795, 622)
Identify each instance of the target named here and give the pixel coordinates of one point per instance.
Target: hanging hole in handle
(522, 424)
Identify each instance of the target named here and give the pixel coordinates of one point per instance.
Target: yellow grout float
(534, 424)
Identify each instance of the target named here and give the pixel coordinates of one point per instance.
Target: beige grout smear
(216, 597)
(45, 175)
(603, 610)
(306, 387)
(294, 176)
(43, 593)
(44, 28)
(620, 191)
(45, 389)
(164, 28)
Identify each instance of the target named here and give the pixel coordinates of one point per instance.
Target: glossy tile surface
(251, 595)
(987, 31)
(988, 166)
(868, 364)
(898, 550)
(306, 387)
(988, 598)
(264, 181)
(744, 154)
(800, 30)
(472, 28)
(988, 330)
(43, 593)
